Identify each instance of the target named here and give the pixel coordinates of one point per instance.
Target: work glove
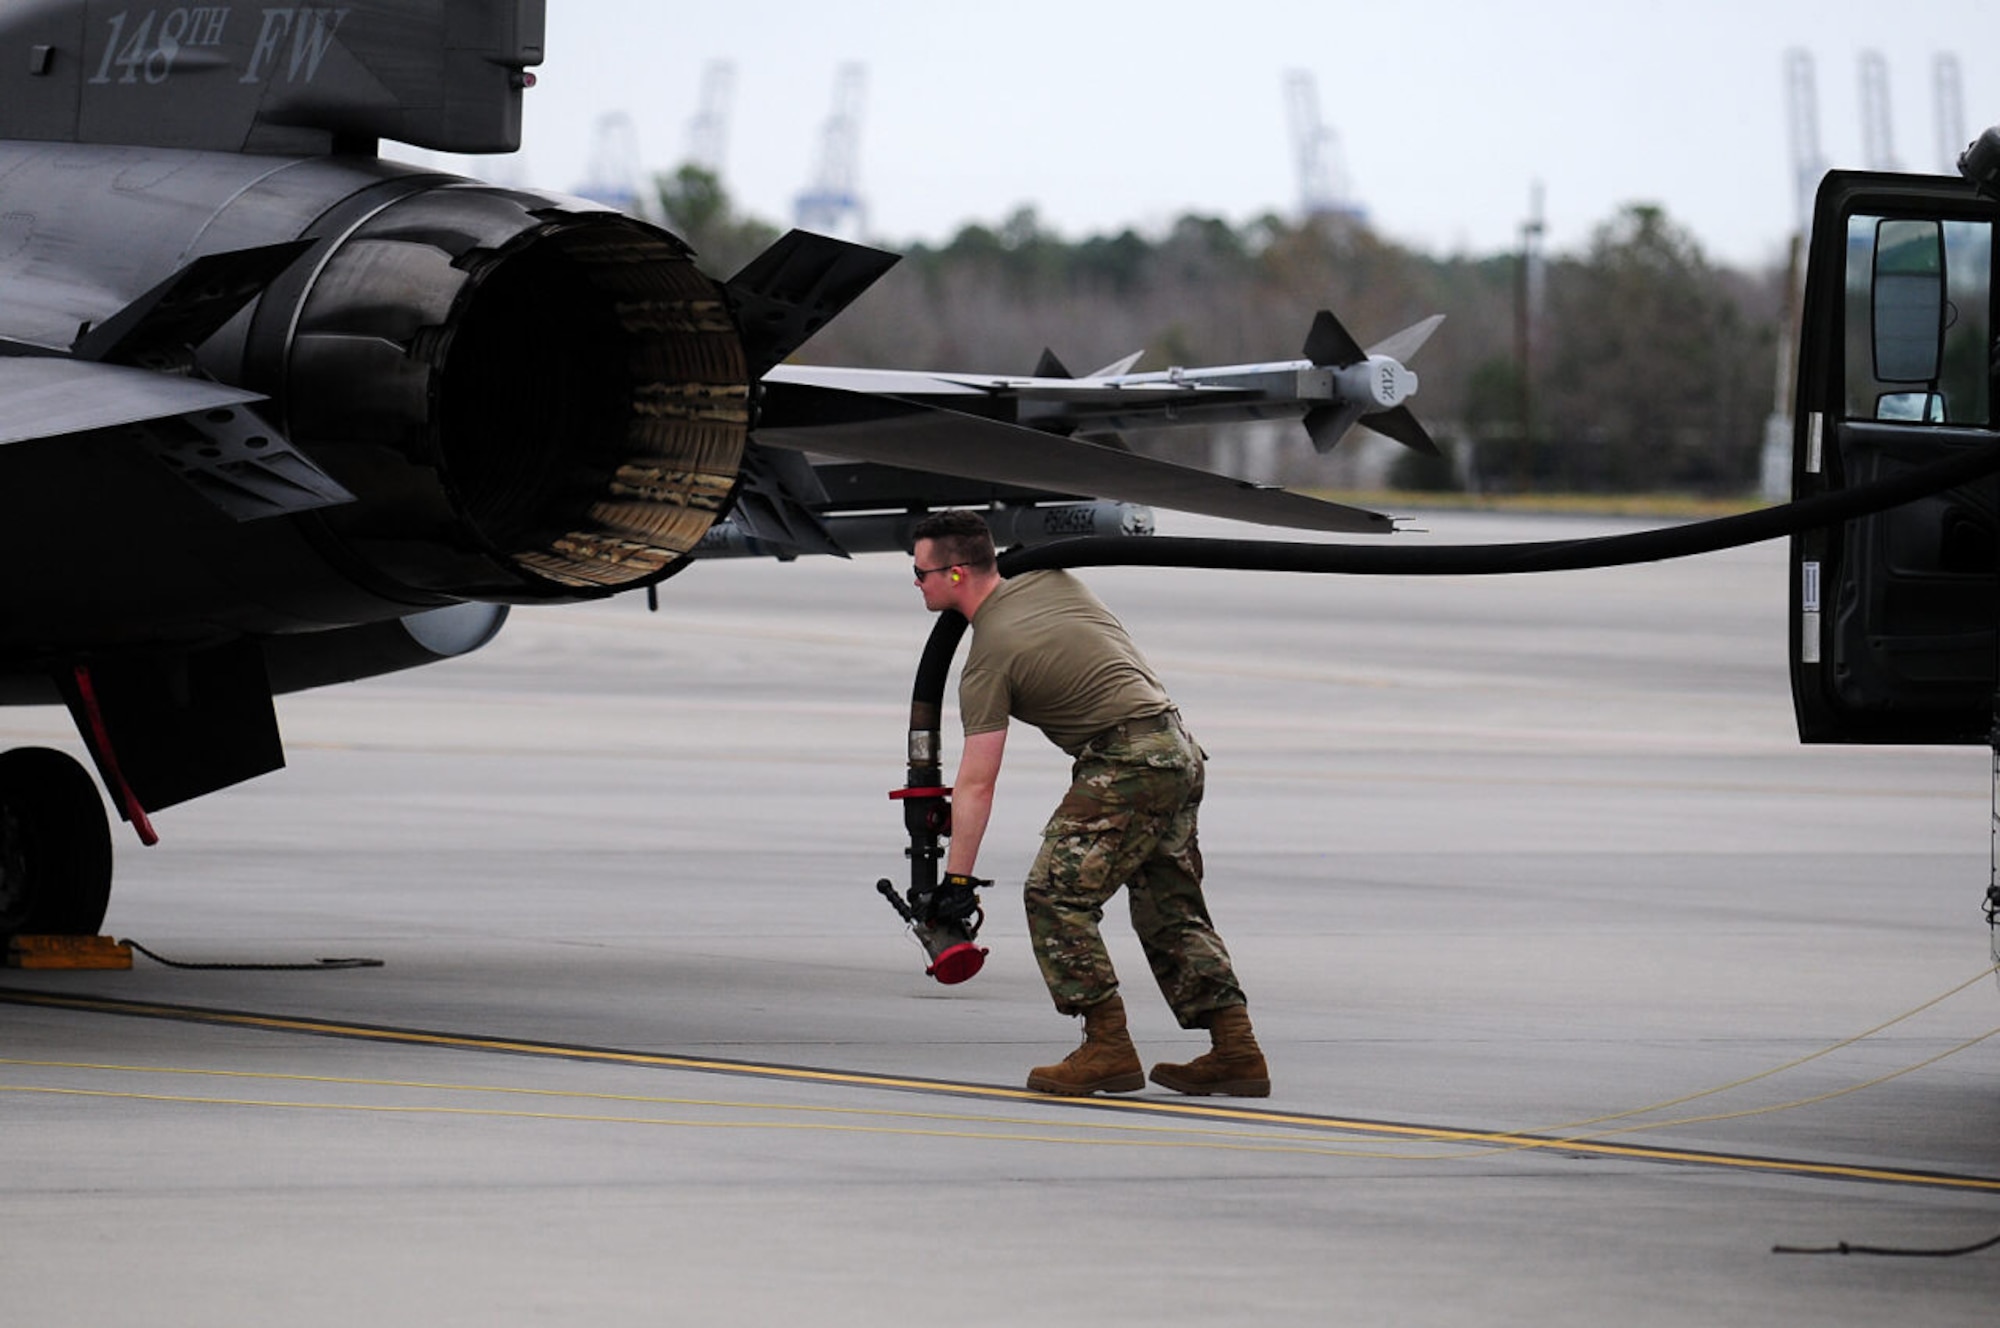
(956, 900)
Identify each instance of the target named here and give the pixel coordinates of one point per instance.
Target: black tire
(55, 846)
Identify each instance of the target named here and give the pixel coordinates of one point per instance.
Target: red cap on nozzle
(958, 963)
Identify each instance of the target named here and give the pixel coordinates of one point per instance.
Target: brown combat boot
(1234, 1068)
(1107, 1062)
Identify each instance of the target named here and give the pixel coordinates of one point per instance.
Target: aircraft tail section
(306, 78)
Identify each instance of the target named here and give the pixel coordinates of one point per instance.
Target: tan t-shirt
(1047, 652)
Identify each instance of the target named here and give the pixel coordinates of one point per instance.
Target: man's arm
(972, 798)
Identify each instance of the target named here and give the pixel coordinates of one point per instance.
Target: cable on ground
(1890, 1251)
(306, 966)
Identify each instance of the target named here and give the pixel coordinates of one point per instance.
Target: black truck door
(1893, 616)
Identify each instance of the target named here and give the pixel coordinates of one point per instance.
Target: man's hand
(957, 899)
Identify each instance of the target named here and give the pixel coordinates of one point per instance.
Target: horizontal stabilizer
(794, 288)
(205, 433)
(901, 433)
(48, 396)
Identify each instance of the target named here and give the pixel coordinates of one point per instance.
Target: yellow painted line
(622, 1099)
(1237, 1144)
(1181, 1110)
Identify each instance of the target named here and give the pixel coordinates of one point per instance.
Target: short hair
(960, 535)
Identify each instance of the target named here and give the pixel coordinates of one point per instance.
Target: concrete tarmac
(1518, 854)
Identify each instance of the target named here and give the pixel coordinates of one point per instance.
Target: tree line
(1634, 365)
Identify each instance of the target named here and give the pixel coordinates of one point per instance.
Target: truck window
(1962, 391)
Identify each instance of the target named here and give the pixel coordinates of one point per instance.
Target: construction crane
(831, 205)
(708, 132)
(1324, 189)
(612, 177)
(1802, 121)
(1808, 166)
(1877, 142)
(1949, 95)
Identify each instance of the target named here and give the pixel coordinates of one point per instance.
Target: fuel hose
(1643, 546)
(1682, 541)
(1825, 509)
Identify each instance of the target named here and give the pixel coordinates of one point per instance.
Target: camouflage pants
(1129, 819)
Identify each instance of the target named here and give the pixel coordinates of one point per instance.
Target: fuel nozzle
(944, 914)
(945, 923)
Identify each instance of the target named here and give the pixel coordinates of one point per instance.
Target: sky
(1449, 113)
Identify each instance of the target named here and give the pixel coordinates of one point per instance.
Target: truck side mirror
(1908, 300)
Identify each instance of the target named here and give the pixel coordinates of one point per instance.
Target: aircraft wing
(919, 436)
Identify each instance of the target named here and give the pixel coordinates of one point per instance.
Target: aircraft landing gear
(55, 846)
